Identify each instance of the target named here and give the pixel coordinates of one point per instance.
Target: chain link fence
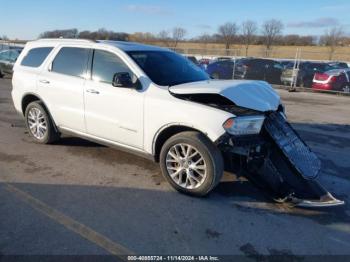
(296, 57)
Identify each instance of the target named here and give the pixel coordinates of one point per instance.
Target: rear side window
(36, 56)
(71, 61)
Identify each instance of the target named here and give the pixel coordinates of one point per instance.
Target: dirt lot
(76, 197)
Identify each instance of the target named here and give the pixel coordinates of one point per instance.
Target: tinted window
(4, 55)
(168, 68)
(14, 55)
(71, 61)
(277, 65)
(106, 65)
(36, 56)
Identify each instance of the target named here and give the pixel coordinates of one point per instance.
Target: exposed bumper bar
(325, 201)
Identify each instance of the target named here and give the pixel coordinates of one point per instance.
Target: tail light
(321, 77)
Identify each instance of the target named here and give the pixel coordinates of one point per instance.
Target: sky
(26, 19)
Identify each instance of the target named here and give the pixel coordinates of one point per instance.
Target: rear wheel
(39, 124)
(1, 74)
(191, 163)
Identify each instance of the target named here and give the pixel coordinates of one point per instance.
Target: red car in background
(336, 79)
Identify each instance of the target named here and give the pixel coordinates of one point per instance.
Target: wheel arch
(168, 131)
(31, 97)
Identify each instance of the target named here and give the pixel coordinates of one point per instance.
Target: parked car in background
(222, 69)
(223, 58)
(286, 63)
(287, 73)
(336, 79)
(339, 65)
(307, 71)
(204, 62)
(259, 69)
(193, 59)
(7, 61)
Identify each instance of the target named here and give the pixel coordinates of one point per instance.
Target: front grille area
(299, 154)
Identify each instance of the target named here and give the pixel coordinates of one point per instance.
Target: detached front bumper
(325, 201)
(279, 162)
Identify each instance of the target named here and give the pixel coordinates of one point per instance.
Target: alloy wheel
(37, 123)
(186, 166)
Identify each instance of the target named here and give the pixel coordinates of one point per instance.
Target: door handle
(93, 91)
(44, 81)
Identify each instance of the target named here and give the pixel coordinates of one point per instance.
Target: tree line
(248, 33)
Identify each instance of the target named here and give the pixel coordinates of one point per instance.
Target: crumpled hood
(256, 95)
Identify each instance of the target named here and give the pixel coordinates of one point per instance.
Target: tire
(301, 83)
(216, 75)
(1, 74)
(37, 114)
(210, 154)
(345, 88)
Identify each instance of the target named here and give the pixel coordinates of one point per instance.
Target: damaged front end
(278, 161)
(259, 143)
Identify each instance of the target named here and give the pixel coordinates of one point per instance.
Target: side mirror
(122, 79)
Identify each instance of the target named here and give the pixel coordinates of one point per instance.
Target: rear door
(61, 86)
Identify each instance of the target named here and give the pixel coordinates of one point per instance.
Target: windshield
(167, 68)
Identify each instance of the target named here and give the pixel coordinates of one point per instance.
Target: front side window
(167, 68)
(105, 65)
(71, 61)
(36, 56)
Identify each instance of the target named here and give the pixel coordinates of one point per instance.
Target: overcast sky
(26, 19)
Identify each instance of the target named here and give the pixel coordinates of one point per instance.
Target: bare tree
(4, 37)
(178, 34)
(205, 39)
(249, 29)
(228, 33)
(332, 39)
(164, 37)
(271, 30)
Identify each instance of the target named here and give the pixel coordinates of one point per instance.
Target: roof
(132, 46)
(336, 72)
(125, 46)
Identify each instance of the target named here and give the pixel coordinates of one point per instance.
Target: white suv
(158, 104)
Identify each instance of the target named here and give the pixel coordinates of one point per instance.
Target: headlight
(244, 125)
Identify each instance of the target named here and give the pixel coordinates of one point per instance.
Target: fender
(45, 106)
(174, 124)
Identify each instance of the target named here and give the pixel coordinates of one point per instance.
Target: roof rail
(67, 40)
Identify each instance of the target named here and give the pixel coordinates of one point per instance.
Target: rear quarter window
(36, 56)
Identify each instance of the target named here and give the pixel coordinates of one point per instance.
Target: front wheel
(191, 163)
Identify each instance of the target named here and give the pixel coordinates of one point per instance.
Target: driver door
(112, 113)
